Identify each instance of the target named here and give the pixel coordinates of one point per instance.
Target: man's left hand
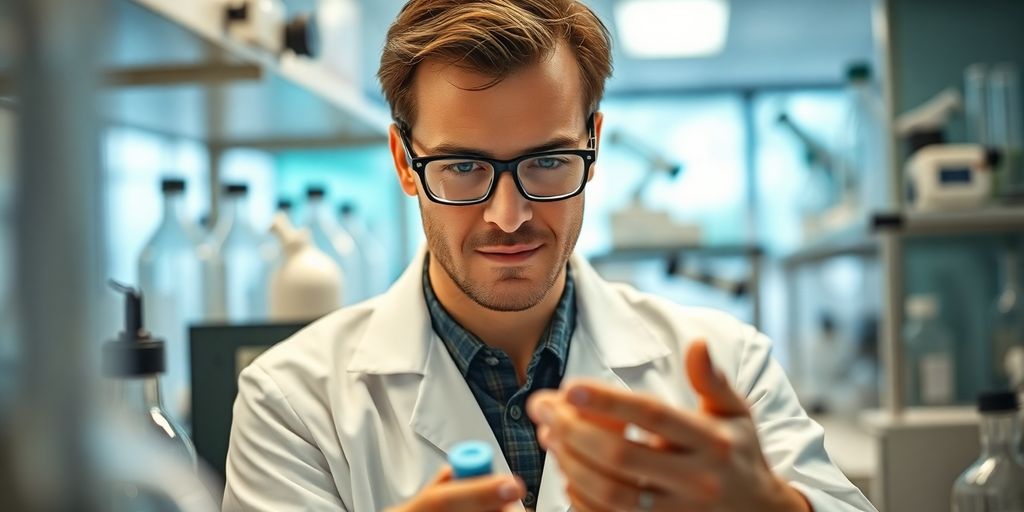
(688, 460)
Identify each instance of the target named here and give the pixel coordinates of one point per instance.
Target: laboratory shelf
(171, 68)
(670, 253)
(859, 239)
(673, 255)
(984, 221)
(854, 239)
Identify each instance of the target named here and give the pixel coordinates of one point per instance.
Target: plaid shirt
(492, 378)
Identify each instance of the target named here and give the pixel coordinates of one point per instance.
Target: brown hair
(492, 37)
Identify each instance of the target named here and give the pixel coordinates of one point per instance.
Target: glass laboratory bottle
(234, 263)
(333, 240)
(931, 375)
(995, 482)
(861, 142)
(1008, 327)
(169, 277)
(1006, 129)
(132, 363)
(372, 254)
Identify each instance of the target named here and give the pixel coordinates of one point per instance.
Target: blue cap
(471, 458)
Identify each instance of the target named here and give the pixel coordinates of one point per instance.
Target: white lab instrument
(307, 283)
(942, 176)
(950, 176)
(932, 116)
(636, 225)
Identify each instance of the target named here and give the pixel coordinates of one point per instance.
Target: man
(593, 396)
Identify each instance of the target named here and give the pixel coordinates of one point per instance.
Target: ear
(598, 122)
(406, 176)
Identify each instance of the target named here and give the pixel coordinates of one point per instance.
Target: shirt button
(515, 412)
(491, 361)
(530, 500)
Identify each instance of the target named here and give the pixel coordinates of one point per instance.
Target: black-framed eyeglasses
(464, 180)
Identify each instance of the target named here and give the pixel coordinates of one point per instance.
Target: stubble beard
(480, 292)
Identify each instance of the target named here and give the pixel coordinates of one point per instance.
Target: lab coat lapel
(610, 342)
(400, 339)
(446, 412)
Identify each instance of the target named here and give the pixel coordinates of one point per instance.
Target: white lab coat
(356, 411)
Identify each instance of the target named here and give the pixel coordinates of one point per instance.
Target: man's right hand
(480, 494)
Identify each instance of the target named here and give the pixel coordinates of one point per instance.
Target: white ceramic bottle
(307, 283)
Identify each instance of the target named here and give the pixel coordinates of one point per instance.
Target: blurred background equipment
(931, 374)
(943, 176)
(792, 212)
(262, 23)
(994, 120)
(637, 225)
(1008, 325)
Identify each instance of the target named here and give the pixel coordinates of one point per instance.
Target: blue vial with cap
(470, 459)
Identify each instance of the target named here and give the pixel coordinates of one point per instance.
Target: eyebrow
(560, 142)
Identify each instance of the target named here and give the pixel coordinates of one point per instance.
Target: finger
(604, 491)
(679, 428)
(582, 502)
(687, 475)
(717, 396)
(475, 494)
(444, 475)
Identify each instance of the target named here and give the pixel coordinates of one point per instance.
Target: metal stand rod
(58, 247)
(892, 355)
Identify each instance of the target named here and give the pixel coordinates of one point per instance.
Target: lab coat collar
(398, 336)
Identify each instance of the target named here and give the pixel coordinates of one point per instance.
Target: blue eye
(463, 167)
(548, 163)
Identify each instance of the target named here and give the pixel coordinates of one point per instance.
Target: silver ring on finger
(645, 501)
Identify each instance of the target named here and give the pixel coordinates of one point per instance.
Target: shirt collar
(464, 345)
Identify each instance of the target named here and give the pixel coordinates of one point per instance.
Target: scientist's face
(507, 253)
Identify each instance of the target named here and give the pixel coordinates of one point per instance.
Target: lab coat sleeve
(793, 443)
(273, 464)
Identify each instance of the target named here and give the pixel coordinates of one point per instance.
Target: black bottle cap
(135, 353)
(997, 401)
(284, 204)
(315, 191)
(172, 185)
(858, 71)
(993, 157)
(238, 12)
(235, 189)
(301, 36)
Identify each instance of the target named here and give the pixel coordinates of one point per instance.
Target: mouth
(509, 254)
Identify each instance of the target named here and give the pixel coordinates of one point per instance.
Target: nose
(507, 208)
